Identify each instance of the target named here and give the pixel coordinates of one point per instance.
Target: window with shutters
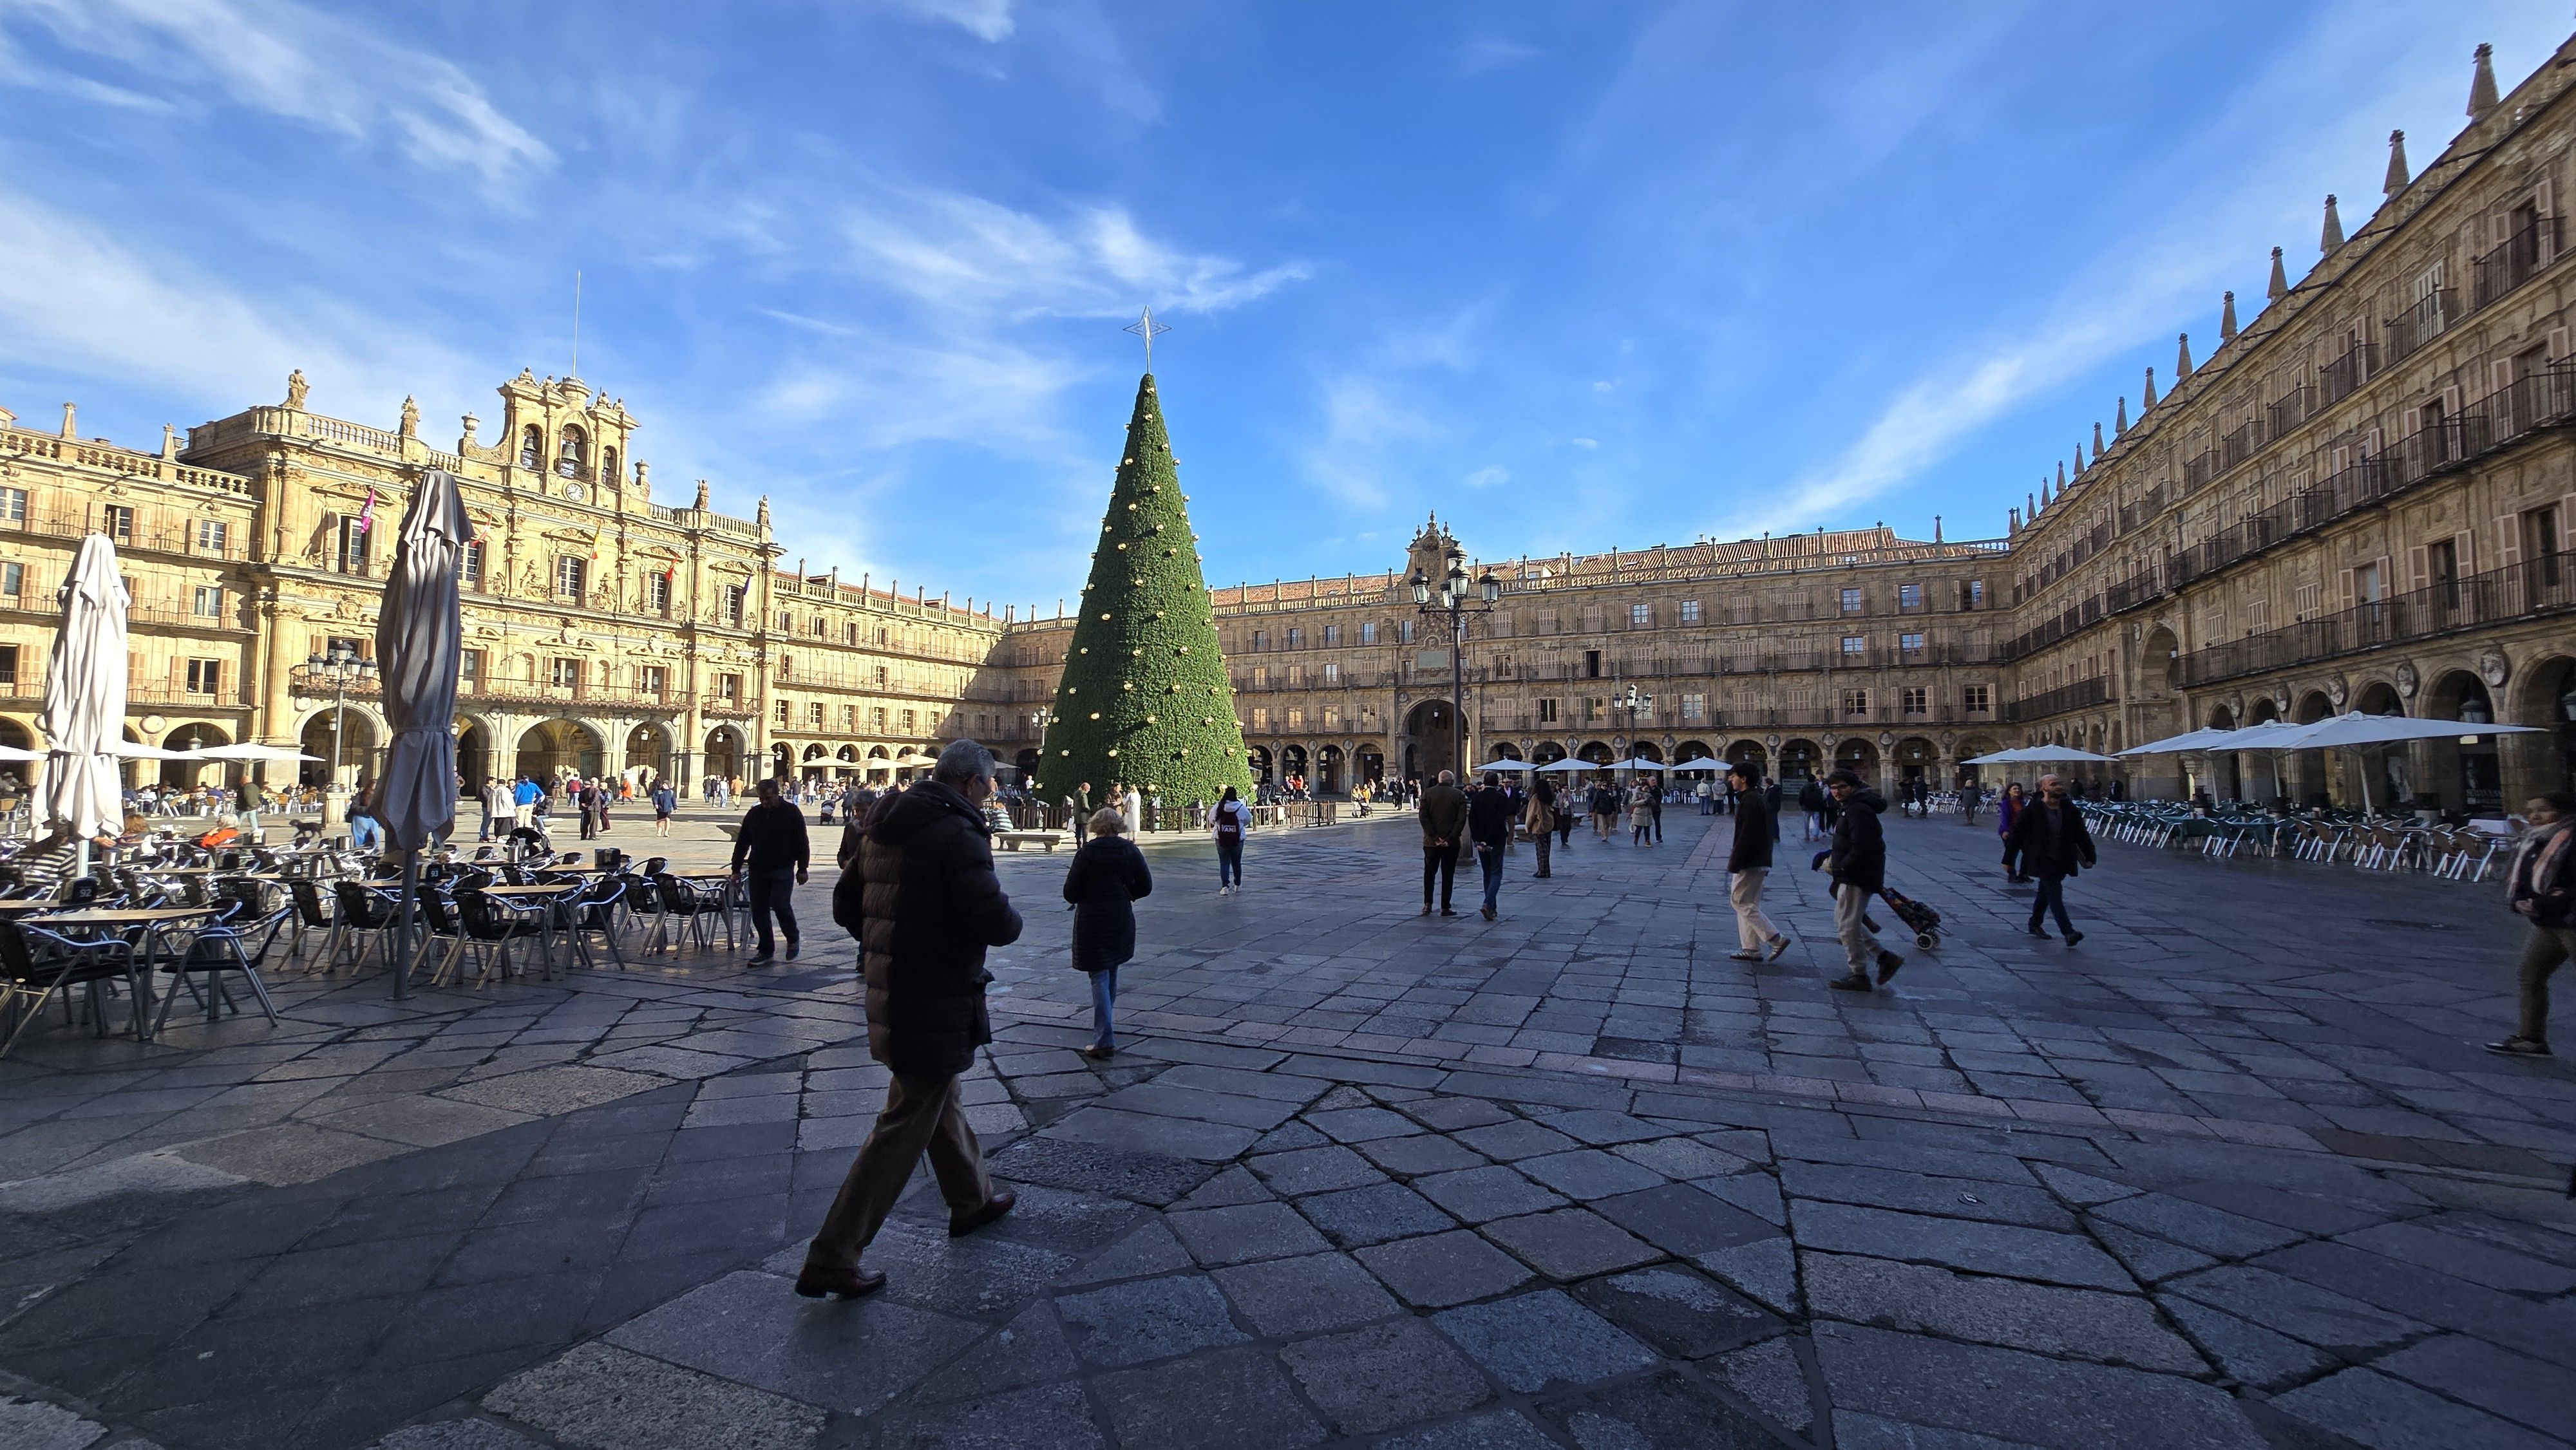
(1694, 708)
(2544, 543)
(657, 594)
(116, 520)
(572, 577)
(2442, 566)
(1332, 717)
(1690, 611)
(469, 565)
(849, 718)
(469, 671)
(1260, 717)
(208, 602)
(1547, 712)
(911, 721)
(1911, 644)
(1851, 601)
(1332, 634)
(564, 673)
(1909, 596)
(729, 688)
(814, 714)
(13, 581)
(13, 506)
(1332, 674)
(735, 597)
(1640, 615)
(1592, 664)
(651, 681)
(1855, 645)
(877, 718)
(349, 545)
(783, 708)
(205, 677)
(1368, 632)
(1855, 704)
(212, 536)
(1978, 699)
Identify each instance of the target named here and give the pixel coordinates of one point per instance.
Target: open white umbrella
(20, 754)
(2347, 732)
(84, 714)
(1638, 762)
(420, 645)
(252, 754)
(2038, 755)
(1570, 765)
(1507, 764)
(135, 750)
(1700, 762)
(2250, 737)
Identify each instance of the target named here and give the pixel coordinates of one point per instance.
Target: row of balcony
(2501, 419)
(2531, 589)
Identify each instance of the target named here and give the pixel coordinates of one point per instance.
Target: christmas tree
(1144, 700)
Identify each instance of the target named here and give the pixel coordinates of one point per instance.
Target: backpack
(1229, 821)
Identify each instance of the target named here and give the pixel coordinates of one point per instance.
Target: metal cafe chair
(239, 941)
(38, 963)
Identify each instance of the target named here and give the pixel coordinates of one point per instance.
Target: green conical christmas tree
(1144, 700)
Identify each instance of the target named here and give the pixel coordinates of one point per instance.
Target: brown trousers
(922, 1115)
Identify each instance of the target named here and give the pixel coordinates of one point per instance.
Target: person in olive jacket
(1107, 877)
(924, 903)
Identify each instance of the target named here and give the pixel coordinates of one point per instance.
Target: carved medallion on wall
(2408, 681)
(2494, 668)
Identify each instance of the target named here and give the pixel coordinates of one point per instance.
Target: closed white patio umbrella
(420, 640)
(84, 714)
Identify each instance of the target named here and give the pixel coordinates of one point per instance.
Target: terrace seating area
(2363, 841)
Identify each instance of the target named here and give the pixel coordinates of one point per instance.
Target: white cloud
(77, 300)
(1488, 476)
(983, 19)
(953, 252)
(289, 61)
(1603, 385)
(1586, 443)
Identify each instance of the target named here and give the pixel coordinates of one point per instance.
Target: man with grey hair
(924, 903)
(1444, 826)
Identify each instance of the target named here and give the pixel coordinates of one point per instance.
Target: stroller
(1918, 918)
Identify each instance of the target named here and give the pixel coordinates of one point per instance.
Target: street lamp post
(1633, 700)
(1452, 603)
(339, 667)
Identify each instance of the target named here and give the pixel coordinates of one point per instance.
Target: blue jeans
(1491, 859)
(1229, 861)
(1104, 990)
(2051, 897)
(364, 834)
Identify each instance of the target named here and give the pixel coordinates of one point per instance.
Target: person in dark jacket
(1444, 825)
(1489, 825)
(1540, 818)
(2008, 809)
(1108, 875)
(2540, 887)
(924, 903)
(771, 855)
(2049, 842)
(1812, 799)
(1858, 858)
(855, 809)
(1771, 798)
(1748, 865)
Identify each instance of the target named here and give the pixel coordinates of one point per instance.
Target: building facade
(2359, 501)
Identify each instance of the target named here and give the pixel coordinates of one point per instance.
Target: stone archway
(648, 751)
(1258, 757)
(1431, 738)
(550, 747)
(1858, 755)
(354, 751)
(473, 753)
(1548, 753)
(1368, 764)
(2158, 706)
(1800, 759)
(724, 753)
(2546, 697)
(1917, 759)
(2460, 773)
(1328, 771)
(193, 735)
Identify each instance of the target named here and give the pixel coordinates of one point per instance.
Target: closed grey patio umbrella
(419, 649)
(84, 717)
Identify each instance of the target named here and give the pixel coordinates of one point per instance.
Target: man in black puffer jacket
(1748, 865)
(1859, 860)
(924, 903)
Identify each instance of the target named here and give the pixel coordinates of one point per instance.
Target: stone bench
(1012, 840)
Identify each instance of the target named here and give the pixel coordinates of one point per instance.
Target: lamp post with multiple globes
(1448, 599)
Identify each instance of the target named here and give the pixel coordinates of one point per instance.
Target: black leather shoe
(815, 1281)
(1888, 962)
(994, 1207)
(793, 948)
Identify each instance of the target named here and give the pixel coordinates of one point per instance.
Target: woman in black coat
(1108, 875)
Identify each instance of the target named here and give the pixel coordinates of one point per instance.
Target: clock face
(573, 492)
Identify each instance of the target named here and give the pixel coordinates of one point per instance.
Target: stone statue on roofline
(296, 388)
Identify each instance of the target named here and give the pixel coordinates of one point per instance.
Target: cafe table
(154, 921)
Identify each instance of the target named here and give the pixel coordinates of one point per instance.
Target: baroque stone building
(2360, 500)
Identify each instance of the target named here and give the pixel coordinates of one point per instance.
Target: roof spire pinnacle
(2482, 86)
(2097, 434)
(2397, 173)
(2227, 319)
(2182, 358)
(2120, 421)
(2279, 286)
(2332, 236)
(2149, 400)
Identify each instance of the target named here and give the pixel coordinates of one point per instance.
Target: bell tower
(560, 439)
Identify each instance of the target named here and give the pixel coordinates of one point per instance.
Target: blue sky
(1576, 275)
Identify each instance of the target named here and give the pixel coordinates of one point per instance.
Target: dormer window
(532, 448)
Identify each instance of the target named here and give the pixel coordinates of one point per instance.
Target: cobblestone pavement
(2232, 1172)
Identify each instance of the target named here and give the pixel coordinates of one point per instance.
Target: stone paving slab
(2201, 1184)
